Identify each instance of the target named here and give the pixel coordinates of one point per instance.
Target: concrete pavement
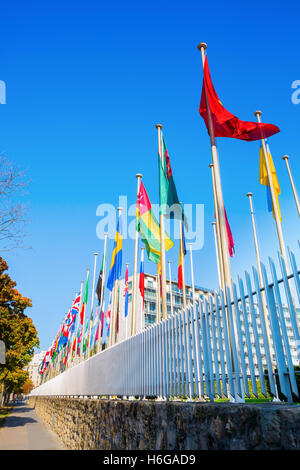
(23, 429)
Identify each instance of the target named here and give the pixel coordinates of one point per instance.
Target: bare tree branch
(12, 213)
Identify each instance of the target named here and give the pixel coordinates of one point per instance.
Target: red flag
(142, 278)
(180, 281)
(82, 313)
(226, 124)
(102, 322)
(229, 236)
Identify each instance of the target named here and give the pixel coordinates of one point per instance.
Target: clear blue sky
(86, 84)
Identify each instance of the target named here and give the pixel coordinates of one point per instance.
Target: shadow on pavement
(14, 421)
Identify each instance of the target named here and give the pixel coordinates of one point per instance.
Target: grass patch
(4, 412)
(247, 400)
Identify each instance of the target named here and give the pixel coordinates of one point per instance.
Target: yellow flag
(263, 176)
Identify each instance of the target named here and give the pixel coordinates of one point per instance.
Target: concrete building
(149, 315)
(33, 367)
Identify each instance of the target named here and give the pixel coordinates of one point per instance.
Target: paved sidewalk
(23, 429)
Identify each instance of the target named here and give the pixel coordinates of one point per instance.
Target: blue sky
(86, 84)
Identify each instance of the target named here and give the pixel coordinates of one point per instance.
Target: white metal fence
(230, 345)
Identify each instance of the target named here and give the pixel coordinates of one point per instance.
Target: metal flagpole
(259, 267)
(217, 254)
(158, 299)
(218, 185)
(142, 303)
(162, 238)
(112, 319)
(126, 318)
(83, 320)
(171, 295)
(255, 239)
(92, 306)
(192, 271)
(285, 158)
(221, 214)
(274, 203)
(217, 233)
(134, 278)
(99, 342)
(261, 284)
(182, 265)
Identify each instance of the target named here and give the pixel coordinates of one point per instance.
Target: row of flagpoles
(81, 334)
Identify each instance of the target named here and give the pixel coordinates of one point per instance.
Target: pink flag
(229, 236)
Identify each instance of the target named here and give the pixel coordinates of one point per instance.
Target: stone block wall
(86, 424)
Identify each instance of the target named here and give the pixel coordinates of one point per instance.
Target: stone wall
(86, 424)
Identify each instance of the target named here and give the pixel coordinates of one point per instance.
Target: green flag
(168, 198)
(85, 299)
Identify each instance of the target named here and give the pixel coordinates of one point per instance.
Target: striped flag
(148, 227)
(116, 259)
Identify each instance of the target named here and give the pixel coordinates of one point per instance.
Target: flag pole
(274, 203)
(162, 238)
(225, 261)
(249, 195)
(192, 271)
(171, 296)
(218, 185)
(99, 342)
(92, 305)
(126, 318)
(264, 303)
(217, 233)
(217, 254)
(285, 158)
(182, 265)
(83, 320)
(134, 278)
(142, 303)
(158, 299)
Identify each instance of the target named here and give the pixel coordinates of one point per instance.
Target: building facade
(33, 367)
(151, 312)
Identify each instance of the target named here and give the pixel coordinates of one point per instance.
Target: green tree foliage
(17, 331)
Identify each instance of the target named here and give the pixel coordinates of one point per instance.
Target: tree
(14, 383)
(28, 386)
(16, 330)
(12, 214)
